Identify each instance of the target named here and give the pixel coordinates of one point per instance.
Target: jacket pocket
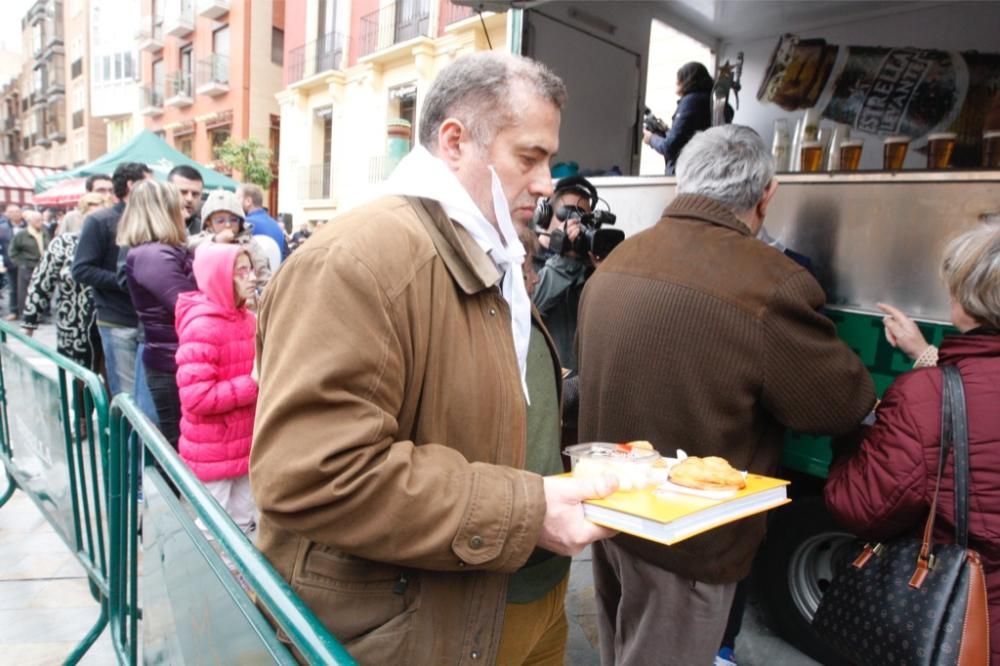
(366, 605)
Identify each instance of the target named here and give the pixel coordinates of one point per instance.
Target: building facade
(355, 74)
(56, 126)
(113, 73)
(210, 69)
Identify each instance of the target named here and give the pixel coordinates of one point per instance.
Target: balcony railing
(318, 56)
(179, 21)
(150, 37)
(315, 180)
(150, 101)
(213, 75)
(394, 23)
(179, 89)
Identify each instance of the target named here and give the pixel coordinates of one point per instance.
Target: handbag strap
(953, 399)
(954, 431)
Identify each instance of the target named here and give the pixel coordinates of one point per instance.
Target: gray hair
(729, 164)
(971, 269)
(72, 222)
(477, 90)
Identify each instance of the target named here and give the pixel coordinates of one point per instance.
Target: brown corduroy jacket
(390, 434)
(695, 335)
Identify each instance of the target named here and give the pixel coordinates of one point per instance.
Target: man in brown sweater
(693, 334)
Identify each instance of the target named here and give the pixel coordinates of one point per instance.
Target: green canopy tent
(148, 149)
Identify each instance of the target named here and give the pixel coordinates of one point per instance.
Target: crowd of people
(155, 290)
(393, 434)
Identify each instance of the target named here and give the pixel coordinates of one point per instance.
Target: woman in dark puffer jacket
(158, 268)
(884, 488)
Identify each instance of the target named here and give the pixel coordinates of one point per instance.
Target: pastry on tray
(710, 473)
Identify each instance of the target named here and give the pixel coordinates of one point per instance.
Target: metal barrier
(54, 446)
(197, 604)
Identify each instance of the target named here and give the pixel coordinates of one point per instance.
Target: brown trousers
(647, 615)
(535, 633)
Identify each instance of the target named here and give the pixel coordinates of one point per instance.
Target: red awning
(66, 193)
(17, 182)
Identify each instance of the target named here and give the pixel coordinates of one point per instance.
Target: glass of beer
(812, 156)
(991, 149)
(940, 147)
(850, 154)
(894, 152)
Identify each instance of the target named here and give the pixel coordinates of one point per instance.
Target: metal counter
(872, 236)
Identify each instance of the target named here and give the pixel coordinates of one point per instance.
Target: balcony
(150, 101)
(150, 37)
(180, 21)
(316, 57)
(53, 40)
(393, 24)
(213, 9)
(179, 90)
(315, 181)
(213, 75)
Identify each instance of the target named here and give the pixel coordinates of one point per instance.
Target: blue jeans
(143, 396)
(119, 356)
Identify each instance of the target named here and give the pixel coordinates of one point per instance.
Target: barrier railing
(53, 444)
(197, 603)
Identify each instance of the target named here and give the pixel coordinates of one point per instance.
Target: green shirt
(543, 570)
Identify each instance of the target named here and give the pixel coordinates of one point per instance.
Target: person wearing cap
(224, 222)
(561, 278)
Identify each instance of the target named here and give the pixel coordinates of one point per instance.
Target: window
(76, 69)
(79, 97)
(158, 79)
(327, 18)
(78, 119)
(129, 66)
(106, 60)
(220, 41)
(277, 46)
(186, 146)
(218, 137)
(118, 66)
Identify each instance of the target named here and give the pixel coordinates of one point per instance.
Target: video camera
(654, 124)
(592, 238)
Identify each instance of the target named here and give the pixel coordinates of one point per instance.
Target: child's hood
(214, 266)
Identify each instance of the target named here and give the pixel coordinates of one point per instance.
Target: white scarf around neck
(421, 174)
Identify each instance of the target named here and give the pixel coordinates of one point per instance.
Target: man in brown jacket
(395, 417)
(695, 335)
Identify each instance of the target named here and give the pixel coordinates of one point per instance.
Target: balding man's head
(33, 218)
(13, 213)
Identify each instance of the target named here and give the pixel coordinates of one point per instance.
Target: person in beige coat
(398, 462)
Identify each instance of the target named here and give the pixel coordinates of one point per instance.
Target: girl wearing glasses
(215, 377)
(225, 222)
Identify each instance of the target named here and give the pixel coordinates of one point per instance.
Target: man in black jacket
(95, 264)
(190, 184)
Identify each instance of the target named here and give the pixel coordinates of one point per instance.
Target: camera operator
(566, 267)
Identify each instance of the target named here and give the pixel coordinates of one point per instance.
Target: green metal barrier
(53, 445)
(193, 608)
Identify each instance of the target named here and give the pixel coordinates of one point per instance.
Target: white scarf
(421, 174)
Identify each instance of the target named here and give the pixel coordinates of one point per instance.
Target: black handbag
(915, 602)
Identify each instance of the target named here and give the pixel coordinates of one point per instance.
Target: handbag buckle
(866, 554)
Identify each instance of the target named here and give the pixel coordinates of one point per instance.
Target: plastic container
(630, 466)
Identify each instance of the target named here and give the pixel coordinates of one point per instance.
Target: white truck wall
(973, 26)
(604, 73)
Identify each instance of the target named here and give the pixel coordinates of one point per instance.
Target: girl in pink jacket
(218, 391)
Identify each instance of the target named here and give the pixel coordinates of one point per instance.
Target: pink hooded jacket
(215, 357)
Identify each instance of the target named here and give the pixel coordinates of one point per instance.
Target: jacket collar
(971, 344)
(699, 207)
(468, 264)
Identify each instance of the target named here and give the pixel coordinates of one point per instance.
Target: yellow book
(668, 517)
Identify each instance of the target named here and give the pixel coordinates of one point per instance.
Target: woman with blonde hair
(77, 336)
(884, 488)
(157, 269)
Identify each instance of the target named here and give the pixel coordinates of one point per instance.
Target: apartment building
(210, 69)
(355, 74)
(113, 74)
(53, 132)
(10, 121)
